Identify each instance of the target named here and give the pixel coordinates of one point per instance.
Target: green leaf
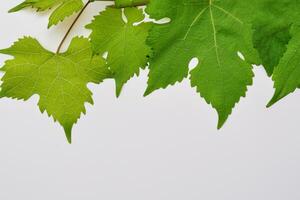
(60, 80)
(125, 42)
(63, 8)
(287, 74)
(212, 31)
(270, 40)
(277, 43)
(272, 23)
(130, 3)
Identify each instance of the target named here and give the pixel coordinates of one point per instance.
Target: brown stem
(139, 3)
(72, 25)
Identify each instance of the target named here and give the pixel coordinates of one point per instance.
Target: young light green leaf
(125, 42)
(63, 8)
(60, 80)
(212, 31)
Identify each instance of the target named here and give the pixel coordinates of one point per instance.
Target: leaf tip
(14, 9)
(277, 96)
(148, 91)
(220, 124)
(68, 132)
(118, 90)
(49, 25)
(271, 103)
(222, 119)
(11, 10)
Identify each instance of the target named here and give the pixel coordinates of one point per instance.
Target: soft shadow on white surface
(163, 147)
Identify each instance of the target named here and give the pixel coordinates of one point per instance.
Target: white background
(163, 147)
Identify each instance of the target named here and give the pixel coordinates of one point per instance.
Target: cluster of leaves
(226, 36)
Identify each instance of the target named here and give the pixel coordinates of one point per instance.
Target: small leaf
(125, 42)
(63, 8)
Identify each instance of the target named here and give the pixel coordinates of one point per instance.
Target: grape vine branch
(214, 32)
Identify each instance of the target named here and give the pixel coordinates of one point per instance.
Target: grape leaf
(125, 42)
(272, 33)
(277, 43)
(63, 8)
(213, 32)
(60, 80)
(287, 74)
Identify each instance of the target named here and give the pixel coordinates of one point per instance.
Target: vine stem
(141, 3)
(71, 27)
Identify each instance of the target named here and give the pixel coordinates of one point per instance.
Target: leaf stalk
(71, 27)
